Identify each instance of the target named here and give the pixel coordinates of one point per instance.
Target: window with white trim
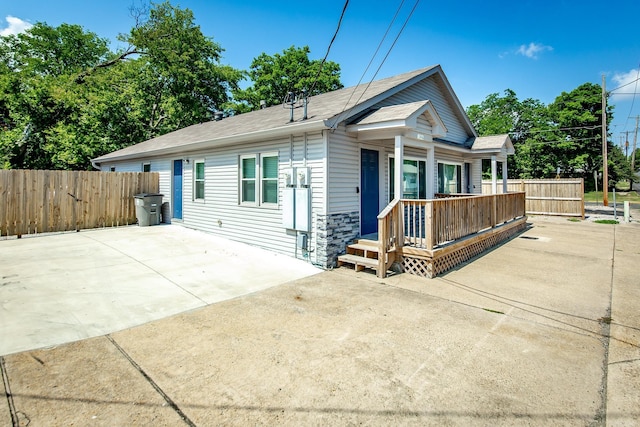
(449, 178)
(414, 179)
(198, 180)
(269, 178)
(146, 167)
(259, 179)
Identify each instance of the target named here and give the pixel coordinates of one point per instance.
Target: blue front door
(370, 191)
(177, 189)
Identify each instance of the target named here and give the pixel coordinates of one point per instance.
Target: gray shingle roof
(392, 113)
(324, 110)
(493, 142)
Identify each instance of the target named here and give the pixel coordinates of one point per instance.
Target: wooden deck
(429, 237)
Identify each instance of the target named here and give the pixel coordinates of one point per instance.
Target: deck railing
(427, 224)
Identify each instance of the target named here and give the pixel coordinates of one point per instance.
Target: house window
(269, 179)
(449, 178)
(414, 179)
(112, 168)
(146, 167)
(198, 179)
(248, 179)
(259, 179)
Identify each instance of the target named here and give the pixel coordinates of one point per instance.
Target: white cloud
(626, 82)
(16, 25)
(533, 50)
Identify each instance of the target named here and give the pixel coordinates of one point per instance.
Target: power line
(633, 101)
(626, 84)
(557, 129)
(390, 49)
(374, 55)
(595, 137)
(382, 63)
(344, 9)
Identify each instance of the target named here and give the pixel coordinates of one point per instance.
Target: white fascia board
(393, 124)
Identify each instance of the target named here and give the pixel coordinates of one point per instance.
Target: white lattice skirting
(448, 257)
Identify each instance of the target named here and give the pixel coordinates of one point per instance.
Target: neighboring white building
(308, 187)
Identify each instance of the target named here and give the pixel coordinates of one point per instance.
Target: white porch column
(494, 175)
(398, 162)
(504, 176)
(431, 171)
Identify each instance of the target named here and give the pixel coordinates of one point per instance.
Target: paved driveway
(542, 330)
(59, 288)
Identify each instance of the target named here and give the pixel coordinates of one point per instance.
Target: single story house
(306, 179)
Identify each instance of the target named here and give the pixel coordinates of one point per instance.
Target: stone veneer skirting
(335, 231)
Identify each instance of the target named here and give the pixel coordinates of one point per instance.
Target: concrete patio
(542, 330)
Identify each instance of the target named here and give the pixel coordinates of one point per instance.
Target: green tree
(578, 117)
(273, 76)
(179, 71)
(65, 98)
(566, 134)
(522, 120)
(38, 94)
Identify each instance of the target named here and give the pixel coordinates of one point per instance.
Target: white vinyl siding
(221, 214)
(344, 174)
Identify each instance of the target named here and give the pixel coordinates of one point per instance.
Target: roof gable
(493, 143)
(401, 116)
(325, 111)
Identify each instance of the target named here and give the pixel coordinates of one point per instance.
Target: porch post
(431, 170)
(398, 162)
(494, 175)
(504, 176)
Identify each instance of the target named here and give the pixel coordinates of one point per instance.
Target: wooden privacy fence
(36, 201)
(563, 197)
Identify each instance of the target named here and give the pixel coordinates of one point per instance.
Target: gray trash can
(148, 207)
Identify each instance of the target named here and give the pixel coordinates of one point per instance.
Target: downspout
(304, 152)
(291, 150)
(96, 165)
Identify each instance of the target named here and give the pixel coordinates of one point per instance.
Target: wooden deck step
(364, 247)
(359, 262)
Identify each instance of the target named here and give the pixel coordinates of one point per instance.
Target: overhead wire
(558, 129)
(335, 34)
(374, 54)
(634, 93)
(381, 64)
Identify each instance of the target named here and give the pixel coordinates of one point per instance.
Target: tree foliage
(66, 98)
(273, 76)
(565, 135)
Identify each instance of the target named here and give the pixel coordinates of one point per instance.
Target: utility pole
(633, 153)
(626, 145)
(605, 167)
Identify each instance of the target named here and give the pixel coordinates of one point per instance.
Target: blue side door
(177, 189)
(370, 191)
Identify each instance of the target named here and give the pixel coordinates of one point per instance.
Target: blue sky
(536, 48)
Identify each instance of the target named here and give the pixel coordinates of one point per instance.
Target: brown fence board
(40, 201)
(563, 197)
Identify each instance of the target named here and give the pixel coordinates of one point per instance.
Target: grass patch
(624, 196)
(493, 311)
(606, 221)
(573, 219)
